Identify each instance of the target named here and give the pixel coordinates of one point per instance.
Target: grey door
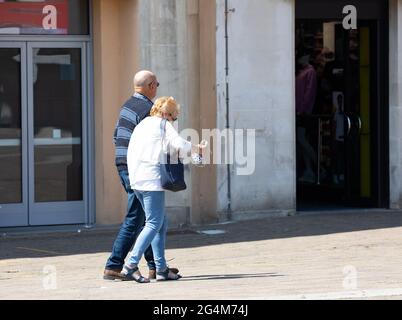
(52, 145)
(56, 113)
(13, 135)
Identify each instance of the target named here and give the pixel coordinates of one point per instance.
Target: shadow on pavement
(101, 241)
(230, 276)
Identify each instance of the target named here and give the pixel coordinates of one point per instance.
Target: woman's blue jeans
(129, 230)
(154, 231)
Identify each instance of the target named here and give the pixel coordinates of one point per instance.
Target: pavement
(339, 255)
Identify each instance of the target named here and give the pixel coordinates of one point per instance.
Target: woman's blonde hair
(165, 105)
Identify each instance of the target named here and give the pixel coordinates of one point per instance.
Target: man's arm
(126, 124)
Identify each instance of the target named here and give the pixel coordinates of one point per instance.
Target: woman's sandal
(133, 274)
(167, 275)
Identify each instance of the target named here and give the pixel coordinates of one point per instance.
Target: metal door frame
(16, 214)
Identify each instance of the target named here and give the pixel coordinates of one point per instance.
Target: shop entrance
(341, 105)
(44, 112)
(42, 133)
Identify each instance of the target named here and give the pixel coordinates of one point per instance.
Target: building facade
(317, 84)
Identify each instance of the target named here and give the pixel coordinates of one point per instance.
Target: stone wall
(177, 43)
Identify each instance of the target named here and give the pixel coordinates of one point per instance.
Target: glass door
(56, 116)
(13, 135)
(351, 76)
(43, 115)
(360, 95)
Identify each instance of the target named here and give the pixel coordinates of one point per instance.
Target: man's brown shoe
(112, 275)
(152, 273)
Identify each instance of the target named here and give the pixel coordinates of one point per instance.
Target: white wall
(261, 78)
(395, 104)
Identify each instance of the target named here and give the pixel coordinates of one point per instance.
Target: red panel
(30, 14)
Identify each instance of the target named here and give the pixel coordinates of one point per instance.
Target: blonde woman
(144, 172)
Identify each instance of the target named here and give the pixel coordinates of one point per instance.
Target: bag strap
(163, 130)
(163, 134)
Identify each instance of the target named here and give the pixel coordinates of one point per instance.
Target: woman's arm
(176, 142)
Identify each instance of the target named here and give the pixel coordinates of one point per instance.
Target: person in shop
(306, 91)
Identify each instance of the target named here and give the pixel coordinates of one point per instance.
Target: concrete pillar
(395, 59)
(115, 61)
(261, 83)
(205, 211)
(201, 91)
(163, 49)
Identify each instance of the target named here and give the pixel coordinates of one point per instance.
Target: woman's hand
(203, 144)
(199, 147)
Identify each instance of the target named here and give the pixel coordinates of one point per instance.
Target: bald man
(134, 110)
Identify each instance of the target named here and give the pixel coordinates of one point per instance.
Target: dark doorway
(341, 105)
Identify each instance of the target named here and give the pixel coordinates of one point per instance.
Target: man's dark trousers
(129, 230)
